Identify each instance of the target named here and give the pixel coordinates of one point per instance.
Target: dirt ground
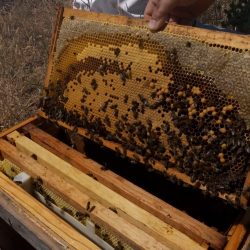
(25, 33)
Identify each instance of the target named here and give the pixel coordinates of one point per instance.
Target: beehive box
(87, 192)
(176, 100)
(151, 98)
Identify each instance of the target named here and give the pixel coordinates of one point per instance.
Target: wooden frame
(213, 38)
(18, 126)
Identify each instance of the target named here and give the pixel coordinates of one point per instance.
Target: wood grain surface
(120, 227)
(179, 220)
(43, 214)
(128, 210)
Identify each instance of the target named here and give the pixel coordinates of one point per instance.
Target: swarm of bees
(201, 132)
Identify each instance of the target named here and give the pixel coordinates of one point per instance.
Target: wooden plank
(179, 220)
(243, 200)
(57, 225)
(236, 239)
(204, 35)
(17, 126)
(158, 165)
(246, 245)
(235, 225)
(27, 225)
(53, 45)
(130, 234)
(134, 214)
(239, 232)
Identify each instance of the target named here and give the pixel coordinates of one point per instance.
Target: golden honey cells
(164, 97)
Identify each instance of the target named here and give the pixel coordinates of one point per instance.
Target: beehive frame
(108, 70)
(51, 170)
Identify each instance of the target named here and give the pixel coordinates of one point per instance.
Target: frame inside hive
(78, 66)
(188, 200)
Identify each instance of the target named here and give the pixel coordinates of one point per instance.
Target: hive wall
(169, 97)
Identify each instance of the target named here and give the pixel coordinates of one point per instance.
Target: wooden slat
(22, 221)
(235, 225)
(43, 214)
(130, 234)
(239, 232)
(243, 200)
(247, 243)
(53, 44)
(179, 220)
(137, 216)
(209, 36)
(158, 165)
(17, 126)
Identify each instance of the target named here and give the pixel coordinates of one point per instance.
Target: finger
(149, 9)
(161, 13)
(162, 10)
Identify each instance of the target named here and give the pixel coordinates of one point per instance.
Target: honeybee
(72, 67)
(79, 215)
(92, 209)
(88, 206)
(94, 84)
(125, 99)
(104, 168)
(124, 117)
(114, 106)
(116, 111)
(140, 43)
(69, 211)
(104, 106)
(117, 52)
(18, 182)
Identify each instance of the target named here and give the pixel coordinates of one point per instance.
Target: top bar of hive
(179, 96)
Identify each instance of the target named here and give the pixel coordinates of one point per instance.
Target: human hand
(183, 12)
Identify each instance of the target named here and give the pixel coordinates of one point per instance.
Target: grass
(25, 32)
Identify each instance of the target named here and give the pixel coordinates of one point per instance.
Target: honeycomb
(164, 96)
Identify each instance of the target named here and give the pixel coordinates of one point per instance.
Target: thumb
(159, 11)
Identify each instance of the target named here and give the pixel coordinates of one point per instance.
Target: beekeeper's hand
(183, 12)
